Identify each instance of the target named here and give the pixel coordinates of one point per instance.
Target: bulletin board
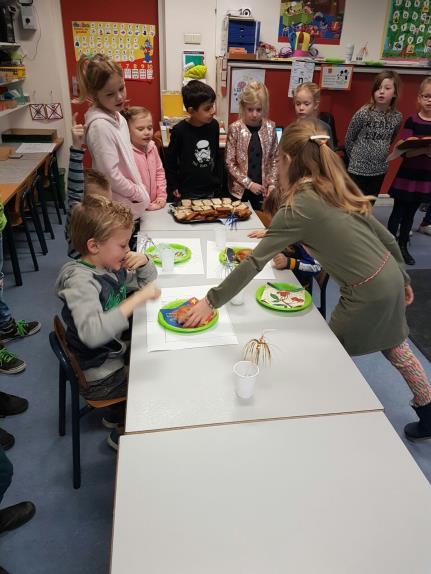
(408, 30)
(322, 19)
(131, 45)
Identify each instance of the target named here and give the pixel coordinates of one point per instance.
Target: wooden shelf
(7, 112)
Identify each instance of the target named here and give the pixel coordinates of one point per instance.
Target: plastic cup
(348, 54)
(245, 378)
(167, 256)
(238, 299)
(220, 236)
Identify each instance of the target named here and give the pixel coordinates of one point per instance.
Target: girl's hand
(280, 261)
(78, 133)
(409, 296)
(133, 260)
(197, 314)
(259, 233)
(154, 206)
(161, 202)
(256, 188)
(268, 191)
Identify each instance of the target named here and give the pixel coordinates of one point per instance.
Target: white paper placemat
(161, 339)
(215, 270)
(194, 266)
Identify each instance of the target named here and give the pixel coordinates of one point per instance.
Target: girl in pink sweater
(107, 136)
(146, 155)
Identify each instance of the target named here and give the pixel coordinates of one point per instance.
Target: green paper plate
(187, 253)
(176, 303)
(333, 61)
(286, 287)
(222, 255)
(374, 63)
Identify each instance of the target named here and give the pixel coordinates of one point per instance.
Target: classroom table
(328, 495)
(310, 373)
(162, 220)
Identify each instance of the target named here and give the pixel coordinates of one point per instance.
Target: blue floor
(71, 531)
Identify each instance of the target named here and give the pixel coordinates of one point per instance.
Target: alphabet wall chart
(131, 45)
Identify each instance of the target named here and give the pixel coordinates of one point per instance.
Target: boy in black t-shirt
(192, 161)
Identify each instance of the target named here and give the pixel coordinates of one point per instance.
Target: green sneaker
(18, 329)
(10, 364)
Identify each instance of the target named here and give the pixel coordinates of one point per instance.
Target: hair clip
(321, 139)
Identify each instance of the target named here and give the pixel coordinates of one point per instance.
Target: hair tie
(321, 139)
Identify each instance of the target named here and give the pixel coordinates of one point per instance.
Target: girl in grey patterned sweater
(371, 131)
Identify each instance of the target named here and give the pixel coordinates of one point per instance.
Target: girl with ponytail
(322, 208)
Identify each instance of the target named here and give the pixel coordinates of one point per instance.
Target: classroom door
(140, 93)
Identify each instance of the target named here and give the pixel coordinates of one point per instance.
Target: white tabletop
(162, 220)
(310, 373)
(325, 495)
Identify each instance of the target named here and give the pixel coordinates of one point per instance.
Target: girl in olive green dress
(324, 210)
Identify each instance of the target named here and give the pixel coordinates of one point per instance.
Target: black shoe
(7, 440)
(408, 259)
(420, 430)
(15, 516)
(12, 405)
(10, 364)
(18, 329)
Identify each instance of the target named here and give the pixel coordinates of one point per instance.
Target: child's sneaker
(10, 364)
(114, 436)
(18, 329)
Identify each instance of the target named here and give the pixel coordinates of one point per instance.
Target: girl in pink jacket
(146, 155)
(107, 136)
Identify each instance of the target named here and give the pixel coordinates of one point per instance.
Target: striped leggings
(402, 358)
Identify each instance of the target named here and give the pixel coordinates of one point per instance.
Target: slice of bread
(186, 202)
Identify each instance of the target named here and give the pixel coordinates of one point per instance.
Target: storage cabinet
(243, 33)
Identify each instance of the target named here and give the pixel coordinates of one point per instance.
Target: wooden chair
(71, 371)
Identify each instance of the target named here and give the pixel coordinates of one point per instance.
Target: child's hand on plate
(197, 314)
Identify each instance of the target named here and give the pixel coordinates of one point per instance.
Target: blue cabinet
(243, 33)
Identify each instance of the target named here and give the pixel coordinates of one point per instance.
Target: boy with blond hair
(94, 288)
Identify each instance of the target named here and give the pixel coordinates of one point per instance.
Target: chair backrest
(66, 356)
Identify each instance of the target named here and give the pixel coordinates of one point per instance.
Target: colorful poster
(240, 78)
(408, 30)
(322, 19)
(337, 77)
(301, 72)
(131, 45)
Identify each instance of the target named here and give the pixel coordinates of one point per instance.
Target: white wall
(184, 17)
(45, 63)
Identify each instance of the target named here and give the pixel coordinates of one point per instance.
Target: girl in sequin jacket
(251, 148)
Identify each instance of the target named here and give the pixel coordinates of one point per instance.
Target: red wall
(342, 104)
(139, 93)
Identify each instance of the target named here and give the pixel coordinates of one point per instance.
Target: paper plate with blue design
(168, 315)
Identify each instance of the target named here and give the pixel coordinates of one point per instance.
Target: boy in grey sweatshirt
(94, 289)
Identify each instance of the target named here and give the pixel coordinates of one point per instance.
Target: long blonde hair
(313, 160)
(92, 74)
